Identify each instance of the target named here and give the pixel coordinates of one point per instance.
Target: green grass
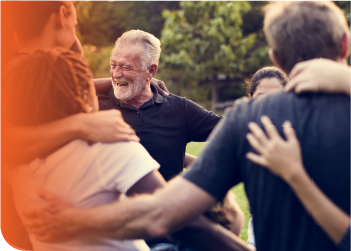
(195, 148)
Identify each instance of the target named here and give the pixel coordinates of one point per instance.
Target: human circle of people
(96, 164)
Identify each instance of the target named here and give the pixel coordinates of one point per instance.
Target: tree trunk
(214, 94)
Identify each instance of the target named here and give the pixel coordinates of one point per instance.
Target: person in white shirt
(86, 175)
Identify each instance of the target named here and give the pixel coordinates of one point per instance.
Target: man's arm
(144, 216)
(23, 144)
(200, 122)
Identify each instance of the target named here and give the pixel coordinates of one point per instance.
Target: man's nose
(117, 72)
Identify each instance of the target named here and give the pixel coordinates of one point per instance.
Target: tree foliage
(200, 41)
(203, 40)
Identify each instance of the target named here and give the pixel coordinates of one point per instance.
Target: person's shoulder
(174, 98)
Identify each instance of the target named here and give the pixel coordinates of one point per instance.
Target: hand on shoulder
(320, 75)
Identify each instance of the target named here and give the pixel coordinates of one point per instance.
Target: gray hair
(299, 31)
(150, 42)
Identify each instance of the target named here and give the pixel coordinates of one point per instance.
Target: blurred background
(208, 48)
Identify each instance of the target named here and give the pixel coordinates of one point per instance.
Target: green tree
(101, 23)
(202, 41)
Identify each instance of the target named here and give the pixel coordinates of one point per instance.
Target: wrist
(294, 176)
(79, 126)
(75, 221)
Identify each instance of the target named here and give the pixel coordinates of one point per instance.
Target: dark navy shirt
(322, 124)
(165, 125)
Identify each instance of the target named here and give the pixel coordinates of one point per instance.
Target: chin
(123, 96)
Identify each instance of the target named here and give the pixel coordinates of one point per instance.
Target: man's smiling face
(128, 79)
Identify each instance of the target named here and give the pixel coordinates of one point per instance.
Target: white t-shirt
(86, 176)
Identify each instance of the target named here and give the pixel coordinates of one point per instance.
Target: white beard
(128, 92)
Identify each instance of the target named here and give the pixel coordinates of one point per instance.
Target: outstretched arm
(23, 144)
(283, 158)
(144, 216)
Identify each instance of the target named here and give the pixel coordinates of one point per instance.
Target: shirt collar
(157, 98)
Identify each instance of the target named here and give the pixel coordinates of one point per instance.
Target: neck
(145, 95)
(36, 44)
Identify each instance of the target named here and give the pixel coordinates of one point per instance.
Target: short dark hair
(265, 72)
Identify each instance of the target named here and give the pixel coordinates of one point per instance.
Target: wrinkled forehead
(125, 53)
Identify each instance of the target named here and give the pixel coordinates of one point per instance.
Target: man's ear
(273, 58)
(62, 15)
(152, 71)
(344, 47)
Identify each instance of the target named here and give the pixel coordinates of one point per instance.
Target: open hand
(160, 86)
(283, 158)
(52, 222)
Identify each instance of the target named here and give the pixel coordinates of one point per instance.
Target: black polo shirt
(165, 125)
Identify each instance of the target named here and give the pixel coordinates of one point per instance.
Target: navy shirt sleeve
(217, 168)
(200, 122)
(344, 244)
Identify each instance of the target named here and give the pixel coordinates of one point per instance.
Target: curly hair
(49, 84)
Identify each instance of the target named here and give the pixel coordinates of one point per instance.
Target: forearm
(330, 217)
(145, 216)
(128, 219)
(102, 84)
(202, 234)
(24, 144)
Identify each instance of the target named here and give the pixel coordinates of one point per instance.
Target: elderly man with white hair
(164, 124)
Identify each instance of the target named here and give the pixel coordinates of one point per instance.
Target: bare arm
(188, 159)
(283, 158)
(24, 144)
(102, 84)
(144, 216)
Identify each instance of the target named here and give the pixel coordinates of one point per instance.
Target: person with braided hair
(37, 89)
(30, 26)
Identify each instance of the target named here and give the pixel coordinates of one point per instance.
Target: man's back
(322, 124)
